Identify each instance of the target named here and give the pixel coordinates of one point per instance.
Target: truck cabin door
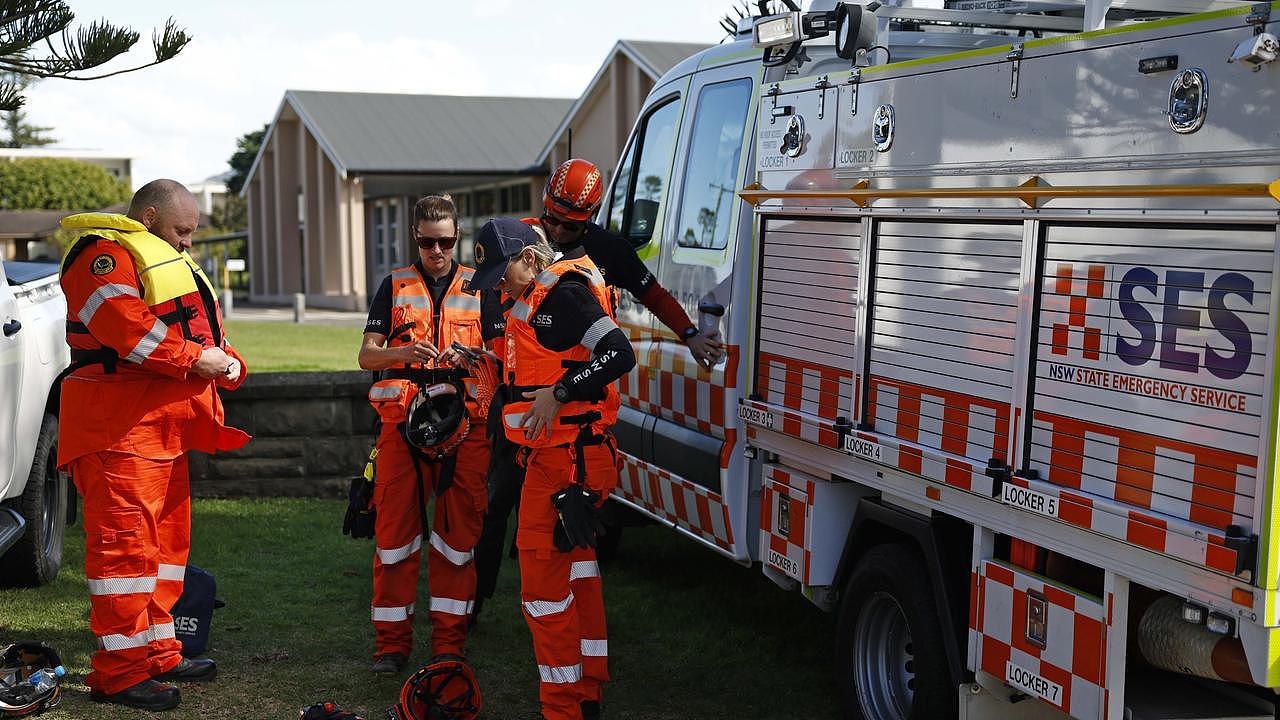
(634, 210)
(11, 357)
(697, 256)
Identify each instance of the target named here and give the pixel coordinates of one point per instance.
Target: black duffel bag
(193, 613)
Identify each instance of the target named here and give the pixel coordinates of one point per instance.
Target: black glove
(493, 427)
(358, 522)
(326, 711)
(579, 523)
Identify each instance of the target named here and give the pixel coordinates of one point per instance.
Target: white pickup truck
(36, 501)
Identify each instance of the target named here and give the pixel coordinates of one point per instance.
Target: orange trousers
(561, 592)
(137, 526)
(398, 536)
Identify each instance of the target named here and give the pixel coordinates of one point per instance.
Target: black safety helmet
(18, 697)
(436, 422)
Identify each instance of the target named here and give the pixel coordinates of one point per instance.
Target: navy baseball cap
(498, 241)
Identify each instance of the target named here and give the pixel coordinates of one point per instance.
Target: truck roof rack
(1048, 15)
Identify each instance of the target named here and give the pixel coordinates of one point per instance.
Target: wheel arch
(942, 542)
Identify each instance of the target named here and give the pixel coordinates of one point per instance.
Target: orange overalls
(561, 592)
(401, 500)
(129, 413)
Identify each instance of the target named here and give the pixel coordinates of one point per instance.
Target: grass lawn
(692, 635)
(290, 347)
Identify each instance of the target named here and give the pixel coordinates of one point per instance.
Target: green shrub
(58, 184)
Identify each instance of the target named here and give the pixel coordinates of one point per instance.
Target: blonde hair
(543, 255)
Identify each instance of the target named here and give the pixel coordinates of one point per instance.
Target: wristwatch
(688, 333)
(560, 392)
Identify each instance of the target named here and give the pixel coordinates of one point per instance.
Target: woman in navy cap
(563, 353)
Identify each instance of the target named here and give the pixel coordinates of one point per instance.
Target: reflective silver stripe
(457, 557)
(520, 311)
(450, 606)
(111, 643)
(462, 302)
(122, 586)
(419, 302)
(103, 294)
(385, 392)
(149, 268)
(584, 569)
(148, 343)
(465, 273)
(392, 614)
(543, 608)
(391, 556)
(172, 572)
(161, 632)
(513, 420)
(404, 274)
(546, 278)
(595, 648)
(560, 675)
(597, 331)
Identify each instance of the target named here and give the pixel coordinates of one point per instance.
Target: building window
(484, 203)
(710, 180)
(379, 237)
(396, 245)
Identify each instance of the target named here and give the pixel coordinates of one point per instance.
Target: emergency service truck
(998, 284)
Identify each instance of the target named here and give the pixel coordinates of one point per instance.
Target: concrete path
(241, 311)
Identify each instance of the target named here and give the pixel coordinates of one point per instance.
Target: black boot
(146, 695)
(188, 670)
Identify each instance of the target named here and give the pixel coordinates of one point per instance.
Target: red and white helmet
(574, 190)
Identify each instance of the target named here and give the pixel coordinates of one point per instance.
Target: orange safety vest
(413, 320)
(529, 365)
(174, 288)
(609, 299)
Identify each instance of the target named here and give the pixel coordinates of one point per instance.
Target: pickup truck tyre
(35, 559)
(890, 662)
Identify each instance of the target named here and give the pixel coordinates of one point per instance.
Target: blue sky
(181, 119)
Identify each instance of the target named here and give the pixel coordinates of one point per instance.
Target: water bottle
(45, 679)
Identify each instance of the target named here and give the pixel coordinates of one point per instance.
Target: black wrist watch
(688, 333)
(560, 392)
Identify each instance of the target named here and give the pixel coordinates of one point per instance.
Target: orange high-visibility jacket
(529, 365)
(413, 320)
(139, 313)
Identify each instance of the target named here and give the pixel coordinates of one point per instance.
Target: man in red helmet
(572, 195)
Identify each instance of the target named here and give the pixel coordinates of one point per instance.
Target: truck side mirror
(855, 30)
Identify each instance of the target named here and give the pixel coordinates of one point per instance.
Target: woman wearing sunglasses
(417, 313)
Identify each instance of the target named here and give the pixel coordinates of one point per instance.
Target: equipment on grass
(30, 682)
(444, 689)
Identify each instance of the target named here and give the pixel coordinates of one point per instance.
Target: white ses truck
(999, 286)
(36, 501)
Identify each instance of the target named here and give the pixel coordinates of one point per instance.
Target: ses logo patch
(1183, 320)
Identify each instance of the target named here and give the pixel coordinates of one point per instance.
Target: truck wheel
(890, 661)
(35, 559)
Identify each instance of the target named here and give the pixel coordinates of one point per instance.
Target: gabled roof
(653, 58)
(385, 133)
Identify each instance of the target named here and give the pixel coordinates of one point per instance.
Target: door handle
(12, 327)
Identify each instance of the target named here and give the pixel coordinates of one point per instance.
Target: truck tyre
(35, 559)
(890, 662)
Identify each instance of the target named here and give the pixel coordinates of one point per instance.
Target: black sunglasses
(446, 243)
(569, 225)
